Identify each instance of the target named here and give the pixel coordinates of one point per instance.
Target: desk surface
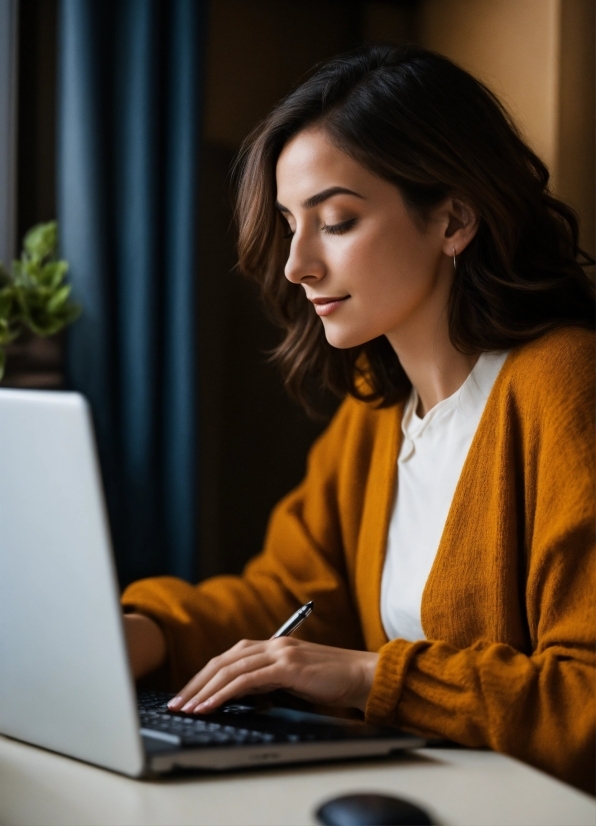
(456, 786)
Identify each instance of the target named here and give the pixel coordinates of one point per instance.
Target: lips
(328, 304)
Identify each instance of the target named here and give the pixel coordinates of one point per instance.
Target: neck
(431, 362)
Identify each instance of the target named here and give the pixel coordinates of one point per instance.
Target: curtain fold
(129, 96)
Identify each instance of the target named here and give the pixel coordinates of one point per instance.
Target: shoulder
(561, 361)
(553, 378)
(568, 345)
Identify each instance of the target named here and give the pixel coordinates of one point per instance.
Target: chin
(344, 338)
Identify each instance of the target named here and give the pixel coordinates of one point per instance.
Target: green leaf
(58, 299)
(41, 241)
(8, 333)
(4, 331)
(20, 294)
(52, 274)
(6, 302)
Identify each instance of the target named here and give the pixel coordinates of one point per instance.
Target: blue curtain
(129, 97)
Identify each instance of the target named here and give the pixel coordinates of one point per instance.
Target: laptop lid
(65, 683)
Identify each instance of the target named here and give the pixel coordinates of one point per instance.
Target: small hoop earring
(454, 264)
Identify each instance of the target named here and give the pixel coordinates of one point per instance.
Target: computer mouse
(370, 810)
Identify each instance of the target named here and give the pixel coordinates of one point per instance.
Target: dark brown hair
(419, 121)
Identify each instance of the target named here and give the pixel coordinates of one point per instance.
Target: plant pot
(35, 362)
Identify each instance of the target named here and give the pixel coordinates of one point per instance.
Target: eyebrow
(317, 199)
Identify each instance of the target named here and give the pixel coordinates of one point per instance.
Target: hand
(145, 642)
(319, 673)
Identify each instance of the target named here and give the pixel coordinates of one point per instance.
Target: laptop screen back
(64, 677)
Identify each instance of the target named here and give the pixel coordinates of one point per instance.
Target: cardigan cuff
(394, 660)
(139, 599)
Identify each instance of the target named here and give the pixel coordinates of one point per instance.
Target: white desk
(455, 786)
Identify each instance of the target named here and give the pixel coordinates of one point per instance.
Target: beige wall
(512, 45)
(538, 56)
(575, 160)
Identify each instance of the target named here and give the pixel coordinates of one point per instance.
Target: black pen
(295, 620)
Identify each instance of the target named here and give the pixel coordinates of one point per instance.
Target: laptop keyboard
(228, 727)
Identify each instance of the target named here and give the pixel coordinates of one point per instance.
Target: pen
(295, 620)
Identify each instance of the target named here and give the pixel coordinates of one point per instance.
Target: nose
(303, 265)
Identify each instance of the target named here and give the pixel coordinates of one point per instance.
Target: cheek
(388, 276)
(386, 265)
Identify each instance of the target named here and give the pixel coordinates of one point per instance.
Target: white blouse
(430, 461)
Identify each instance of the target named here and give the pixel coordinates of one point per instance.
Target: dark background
(253, 440)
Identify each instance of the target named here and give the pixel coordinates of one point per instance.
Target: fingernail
(175, 701)
(202, 706)
(189, 706)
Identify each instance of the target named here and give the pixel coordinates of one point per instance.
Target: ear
(461, 225)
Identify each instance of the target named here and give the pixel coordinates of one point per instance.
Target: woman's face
(363, 261)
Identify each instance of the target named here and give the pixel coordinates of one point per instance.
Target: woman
(445, 527)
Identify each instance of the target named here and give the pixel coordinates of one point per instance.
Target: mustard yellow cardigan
(509, 606)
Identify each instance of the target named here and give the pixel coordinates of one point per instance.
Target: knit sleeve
(302, 560)
(540, 705)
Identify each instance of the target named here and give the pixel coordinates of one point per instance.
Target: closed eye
(339, 229)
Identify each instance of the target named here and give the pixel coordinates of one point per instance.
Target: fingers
(213, 668)
(264, 678)
(228, 675)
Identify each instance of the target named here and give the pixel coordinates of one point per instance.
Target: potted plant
(33, 295)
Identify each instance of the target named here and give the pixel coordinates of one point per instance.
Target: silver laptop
(65, 682)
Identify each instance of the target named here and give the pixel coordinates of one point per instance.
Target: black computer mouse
(370, 810)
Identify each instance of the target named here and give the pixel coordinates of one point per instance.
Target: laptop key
(197, 740)
(196, 731)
